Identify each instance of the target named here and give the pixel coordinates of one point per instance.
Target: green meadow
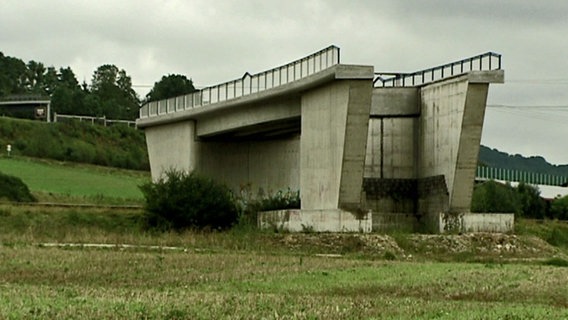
(77, 181)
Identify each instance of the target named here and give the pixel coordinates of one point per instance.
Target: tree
(67, 78)
(494, 197)
(179, 201)
(531, 204)
(34, 77)
(68, 97)
(170, 86)
(12, 75)
(113, 88)
(559, 208)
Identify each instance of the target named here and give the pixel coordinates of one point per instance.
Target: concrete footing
(331, 220)
(476, 222)
(295, 220)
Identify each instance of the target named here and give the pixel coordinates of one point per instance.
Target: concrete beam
(337, 72)
(395, 102)
(246, 116)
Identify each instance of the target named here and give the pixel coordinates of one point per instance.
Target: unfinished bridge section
(366, 150)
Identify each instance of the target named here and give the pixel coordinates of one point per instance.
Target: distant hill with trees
(497, 159)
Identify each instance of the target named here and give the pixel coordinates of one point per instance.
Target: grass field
(84, 182)
(52, 283)
(249, 274)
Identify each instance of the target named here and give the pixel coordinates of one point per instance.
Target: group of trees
(524, 200)
(109, 94)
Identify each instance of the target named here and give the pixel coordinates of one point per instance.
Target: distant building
(26, 107)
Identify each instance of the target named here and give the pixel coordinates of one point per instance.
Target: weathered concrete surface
(266, 166)
(332, 220)
(334, 129)
(391, 151)
(428, 134)
(450, 132)
(395, 102)
(477, 222)
(235, 119)
(172, 147)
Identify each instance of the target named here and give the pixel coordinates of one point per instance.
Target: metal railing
(247, 84)
(486, 61)
(93, 120)
(536, 178)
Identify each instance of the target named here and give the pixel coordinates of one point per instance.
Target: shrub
(249, 206)
(14, 189)
(558, 237)
(523, 200)
(494, 197)
(559, 208)
(180, 201)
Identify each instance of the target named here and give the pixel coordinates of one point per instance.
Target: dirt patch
(342, 243)
(408, 246)
(482, 244)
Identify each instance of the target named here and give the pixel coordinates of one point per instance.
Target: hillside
(116, 146)
(497, 159)
(55, 181)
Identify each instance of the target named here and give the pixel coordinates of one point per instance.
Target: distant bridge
(35, 105)
(533, 178)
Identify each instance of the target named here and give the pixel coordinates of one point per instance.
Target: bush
(249, 206)
(494, 197)
(523, 200)
(180, 201)
(14, 189)
(559, 208)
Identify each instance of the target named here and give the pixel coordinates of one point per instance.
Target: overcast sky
(213, 41)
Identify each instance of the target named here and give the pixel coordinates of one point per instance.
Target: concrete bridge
(367, 150)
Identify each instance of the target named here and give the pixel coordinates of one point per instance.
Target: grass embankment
(53, 181)
(117, 146)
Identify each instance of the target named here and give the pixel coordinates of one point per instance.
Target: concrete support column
(468, 148)
(172, 147)
(450, 133)
(335, 120)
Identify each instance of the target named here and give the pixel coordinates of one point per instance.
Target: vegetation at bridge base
(523, 200)
(14, 189)
(180, 201)
(250, 204)
(117, 146)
